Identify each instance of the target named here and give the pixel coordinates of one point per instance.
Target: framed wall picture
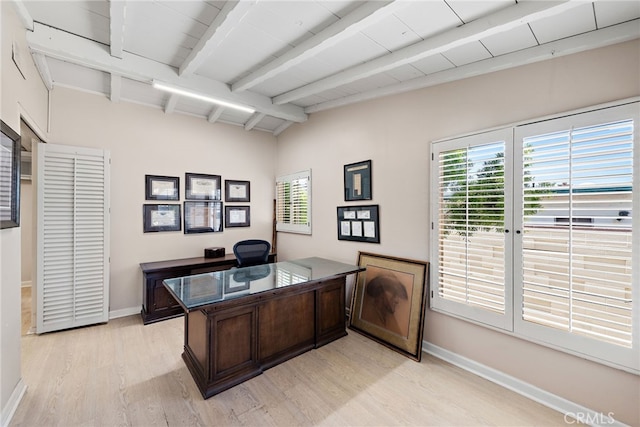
(202, 187)
(9, 178)
(161, 218)
(359, 223)
(388, 302)
(202, 217)
(237, 191)
(357, 181)
(237, 216)
(162, 187)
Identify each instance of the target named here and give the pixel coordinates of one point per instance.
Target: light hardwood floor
(126, 374)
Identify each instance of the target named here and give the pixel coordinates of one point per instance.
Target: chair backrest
(251, 252)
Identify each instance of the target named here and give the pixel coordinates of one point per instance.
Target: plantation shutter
(293, 203)
(577, 243)
(72, 278)
(471, 222)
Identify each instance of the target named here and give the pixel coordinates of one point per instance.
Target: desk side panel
(331, 318)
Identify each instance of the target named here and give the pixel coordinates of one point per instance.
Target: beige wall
(19, 96)
(395, 132)
(143, 141)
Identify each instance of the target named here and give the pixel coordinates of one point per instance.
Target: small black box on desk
(213, 252)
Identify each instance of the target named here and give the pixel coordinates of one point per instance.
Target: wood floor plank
(126, 374)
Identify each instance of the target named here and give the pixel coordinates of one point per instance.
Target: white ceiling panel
(468, 53)
(339, 8)
(405, 72)
(392, 34)
(575, 21)
(616, 11)
(354, 50)
(159, 33)
(433, 64)
(428, 18)
(269, 123)
(293, 21)
(288, 59)
(193, 107)
(510, 41)
(72, 75)
(141, 93)
(281, 83)
(201, 11)
(469, 10)
(373, 82)
(234, 116)
(89, 19)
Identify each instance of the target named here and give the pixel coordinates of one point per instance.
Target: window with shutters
(471, 271)
(293, 203)
(534, 232)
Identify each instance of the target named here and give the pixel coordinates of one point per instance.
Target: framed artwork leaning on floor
(388, 302)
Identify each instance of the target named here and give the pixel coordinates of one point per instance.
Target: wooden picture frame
(237, 216)
(202, 217)
(10, 151)
(161, 218)
(202, 187)
(357, 181)
(359, 223)
(389, 300)
(159, 187)
(237, 191)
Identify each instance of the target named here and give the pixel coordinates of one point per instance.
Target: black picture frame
(357, 181)
(359, 223)
(158, 187)
(237, 216)
(237, 191)
(203, 217)
(161, 218)
(10, 151)
(202, 187)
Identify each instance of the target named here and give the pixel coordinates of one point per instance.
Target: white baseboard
(114, 314)
(12, 404)
(570, 409)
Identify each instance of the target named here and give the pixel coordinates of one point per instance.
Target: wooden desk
(241, 322)
(157, 303)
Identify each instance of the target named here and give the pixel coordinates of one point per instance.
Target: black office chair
(256, 273)
(251, 252)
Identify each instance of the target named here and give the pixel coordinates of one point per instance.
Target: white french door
(72, 237)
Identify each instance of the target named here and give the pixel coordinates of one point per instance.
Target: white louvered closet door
(72, 273)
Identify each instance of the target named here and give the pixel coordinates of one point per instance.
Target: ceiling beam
(277, 131)
(116, 19)
(43, 69)
(232, 13)
(77, 50)
(23, 14)
(253, 121)
(503, 20)
(215, 114)
(367, 14)
(580, 43)
(116, 88)
(170, 106)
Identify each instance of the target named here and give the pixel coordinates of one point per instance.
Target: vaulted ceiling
(288, 59)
